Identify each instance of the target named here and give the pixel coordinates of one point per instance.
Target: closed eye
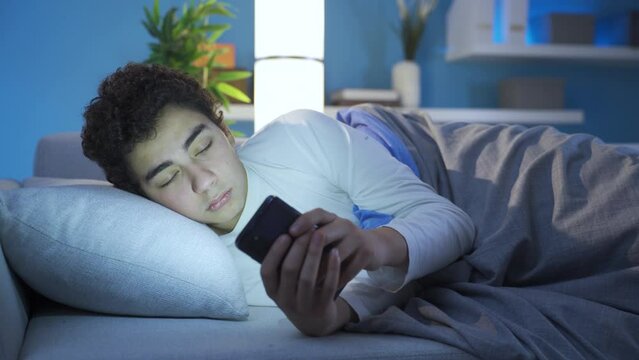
(205, 148)
(169, 181)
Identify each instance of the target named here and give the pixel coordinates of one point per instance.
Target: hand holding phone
(273, 218)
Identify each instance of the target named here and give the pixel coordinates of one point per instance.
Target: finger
(350, 268)
(332, 276)
(311, 220)
(355, 256)
(306, 287)
(344, 234)
(344, 250)
(335, 235)
(271, 264)
(291, 266)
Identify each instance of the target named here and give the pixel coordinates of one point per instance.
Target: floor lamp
(289, 58)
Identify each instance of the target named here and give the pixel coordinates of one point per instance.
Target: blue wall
(54, 54)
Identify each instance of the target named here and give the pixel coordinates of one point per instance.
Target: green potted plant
(186, 43)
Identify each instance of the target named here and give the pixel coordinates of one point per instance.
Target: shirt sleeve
(366, 299)
(436, 231)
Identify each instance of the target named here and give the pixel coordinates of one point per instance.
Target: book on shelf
(353, 96)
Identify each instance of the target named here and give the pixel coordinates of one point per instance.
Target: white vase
(406, 81)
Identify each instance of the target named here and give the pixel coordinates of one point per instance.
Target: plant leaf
(220, 96)
(168, 24)
(219, 9)
(233, 92)
(232, 75)
(220, 12)
(152, 30)
(216, 35)
(156, 12)
(212, 27)
(149, 16)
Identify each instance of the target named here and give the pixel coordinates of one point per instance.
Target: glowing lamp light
(289, 58)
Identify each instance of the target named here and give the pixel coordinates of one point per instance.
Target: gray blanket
(554, 272)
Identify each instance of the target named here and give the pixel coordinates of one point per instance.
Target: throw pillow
(102, 249)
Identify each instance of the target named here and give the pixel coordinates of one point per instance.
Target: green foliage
(186, 43)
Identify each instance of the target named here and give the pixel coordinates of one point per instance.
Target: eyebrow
(194, 133)
(187, 143)
(156, 170)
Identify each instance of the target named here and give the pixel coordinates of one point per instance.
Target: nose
(202, 178)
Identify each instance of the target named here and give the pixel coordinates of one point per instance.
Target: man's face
(192, 168)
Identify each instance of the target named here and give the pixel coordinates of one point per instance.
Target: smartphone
(272, 219)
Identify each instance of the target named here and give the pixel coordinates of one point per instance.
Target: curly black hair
(126, 110)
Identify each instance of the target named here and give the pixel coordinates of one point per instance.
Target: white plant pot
(406, 81)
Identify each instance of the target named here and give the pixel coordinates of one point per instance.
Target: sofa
(35, 327)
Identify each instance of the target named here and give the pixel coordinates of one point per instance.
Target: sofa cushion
(59, 333)
(103, 249)
(14, 308)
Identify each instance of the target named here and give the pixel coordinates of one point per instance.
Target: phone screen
(272, 219)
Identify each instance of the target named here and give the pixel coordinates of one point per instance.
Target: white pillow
(38, 181)
(102, 249)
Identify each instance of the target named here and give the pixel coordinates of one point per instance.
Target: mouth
(220, 201)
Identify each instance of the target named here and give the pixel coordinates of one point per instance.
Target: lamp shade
(289, 57)
(289, 28)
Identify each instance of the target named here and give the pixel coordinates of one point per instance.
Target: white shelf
(554, 117)
(239, 112)
(619, 54)
(509, 116)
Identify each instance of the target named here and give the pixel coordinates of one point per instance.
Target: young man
(156, 133)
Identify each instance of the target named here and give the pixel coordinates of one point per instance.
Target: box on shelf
(225, 58)
(618, 29)
(532, 93)
(470, 22)
(512, 20)
(563, 28)
(353, 96)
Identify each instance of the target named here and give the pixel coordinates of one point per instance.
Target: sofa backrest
(60, 155)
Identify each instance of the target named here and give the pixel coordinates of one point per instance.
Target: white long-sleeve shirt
(313, 161)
